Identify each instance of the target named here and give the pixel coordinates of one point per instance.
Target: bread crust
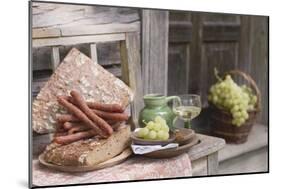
(90, 151)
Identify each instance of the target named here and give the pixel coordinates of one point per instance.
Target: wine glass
(188, 108)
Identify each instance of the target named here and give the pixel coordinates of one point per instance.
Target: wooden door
(198, 42)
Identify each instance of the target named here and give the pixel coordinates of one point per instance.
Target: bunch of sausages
(86, 119)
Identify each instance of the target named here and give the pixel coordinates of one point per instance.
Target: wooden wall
(198, 42)
(179, 49)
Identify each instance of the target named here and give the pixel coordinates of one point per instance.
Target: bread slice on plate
(76, 72)
(89, 152)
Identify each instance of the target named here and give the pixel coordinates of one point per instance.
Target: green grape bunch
(155, 130)
(237, 100)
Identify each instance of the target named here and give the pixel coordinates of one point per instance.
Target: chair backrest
(125, 34)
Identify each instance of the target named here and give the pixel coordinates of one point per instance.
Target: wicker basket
(220, 120)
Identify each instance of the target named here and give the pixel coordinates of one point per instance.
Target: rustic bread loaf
(80, 73)
(90, 151)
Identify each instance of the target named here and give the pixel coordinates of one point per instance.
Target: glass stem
(187, 124)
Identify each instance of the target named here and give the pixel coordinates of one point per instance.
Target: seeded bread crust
(80, 73)
(90, 151)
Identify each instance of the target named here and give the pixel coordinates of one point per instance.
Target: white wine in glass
(187, 112)
(188, 108)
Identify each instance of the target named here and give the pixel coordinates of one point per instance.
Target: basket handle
(251, 82)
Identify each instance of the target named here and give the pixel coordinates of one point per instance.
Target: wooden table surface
(203, 158)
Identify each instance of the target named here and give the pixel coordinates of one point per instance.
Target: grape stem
(144, 122)
(216, 73)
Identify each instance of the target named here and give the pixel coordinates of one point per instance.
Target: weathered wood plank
(125, 67)
(260, 65)
(207, 146)
(155, 50)
(39, 79)
(64, 15)
(131, 72)
(178, 69)
(195, 53)
(145, 15)
(176, 16)
(199, 167)
(39, 8)
(41, 59)
(41, 74)
(212, 163)
(180, 35)
(77, 40)
(45, 32)
(55, 15)
(180, 32)
(109, 53)
(244, 45)
(220, 18)
(217, 32)
(93, 52)
(55, 53)
(100, 29)
(84, 30)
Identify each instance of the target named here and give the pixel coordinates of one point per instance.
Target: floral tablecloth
(134, 168)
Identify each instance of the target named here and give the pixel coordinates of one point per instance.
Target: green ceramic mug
(157, 105)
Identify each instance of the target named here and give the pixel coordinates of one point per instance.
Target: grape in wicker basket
(237, 100)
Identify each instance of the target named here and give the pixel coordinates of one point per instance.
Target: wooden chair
(125, 34)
